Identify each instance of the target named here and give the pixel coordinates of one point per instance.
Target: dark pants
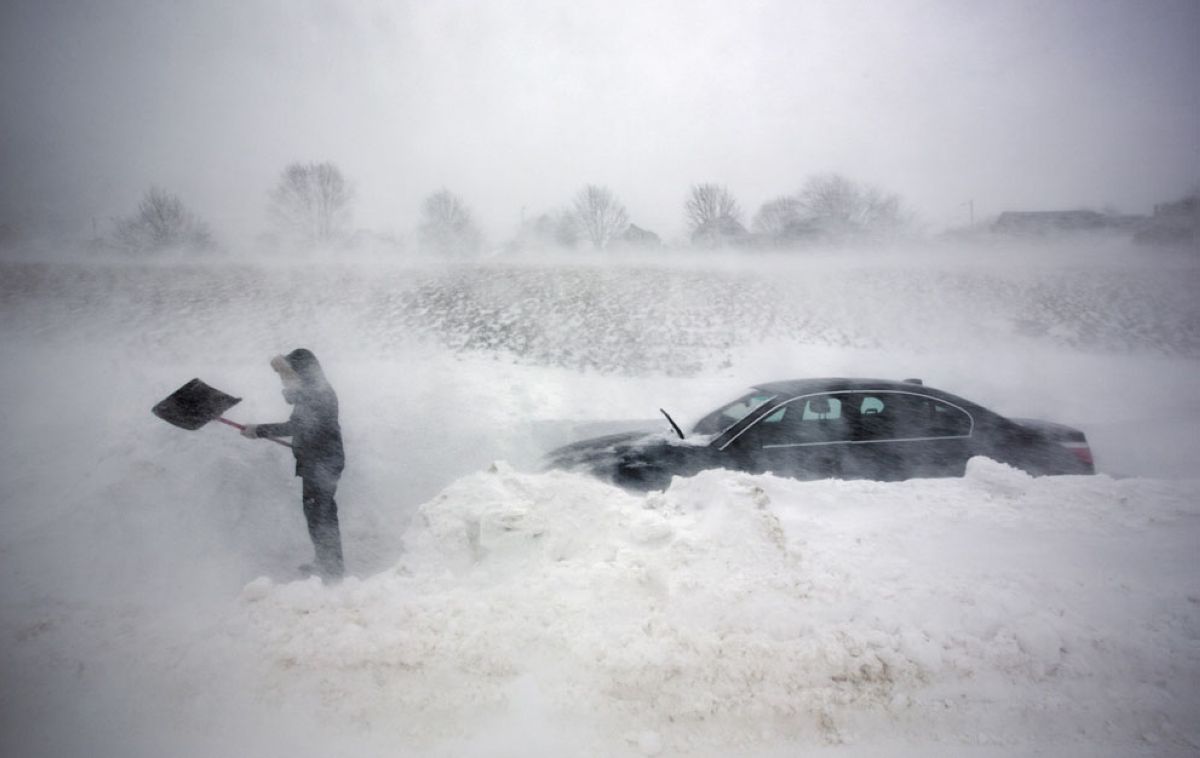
(320, 510)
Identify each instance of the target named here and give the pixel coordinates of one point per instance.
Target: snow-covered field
(148, 605)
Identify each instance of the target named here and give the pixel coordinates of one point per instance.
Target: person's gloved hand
(250, 430)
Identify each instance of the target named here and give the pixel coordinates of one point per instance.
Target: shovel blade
(193, 405)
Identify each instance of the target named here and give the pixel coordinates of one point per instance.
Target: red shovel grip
(239, 427)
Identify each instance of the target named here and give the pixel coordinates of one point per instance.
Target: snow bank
(739, 613)
(498, 612)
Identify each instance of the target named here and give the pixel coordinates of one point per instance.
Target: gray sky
(512, 105)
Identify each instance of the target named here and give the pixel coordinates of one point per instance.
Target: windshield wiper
(673, 424)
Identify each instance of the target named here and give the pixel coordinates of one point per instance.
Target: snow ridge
(734, 611)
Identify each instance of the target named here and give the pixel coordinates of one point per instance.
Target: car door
(805, 438)
(902, 435)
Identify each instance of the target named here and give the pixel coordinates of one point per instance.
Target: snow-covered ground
(148, 605)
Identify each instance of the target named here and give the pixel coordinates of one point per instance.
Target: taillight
(1082, 451)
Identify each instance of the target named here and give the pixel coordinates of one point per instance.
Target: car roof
(832, 384)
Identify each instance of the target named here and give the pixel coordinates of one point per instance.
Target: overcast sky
(516, 105)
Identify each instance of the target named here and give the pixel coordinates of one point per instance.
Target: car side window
(901, 416)
(803, 421)
(947, 421)
(728, 415)
(876, 417)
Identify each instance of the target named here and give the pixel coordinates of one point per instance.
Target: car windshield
(728, 415)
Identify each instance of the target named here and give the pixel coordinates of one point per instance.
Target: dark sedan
(841, 428)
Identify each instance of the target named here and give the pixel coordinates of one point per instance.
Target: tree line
(311, 205)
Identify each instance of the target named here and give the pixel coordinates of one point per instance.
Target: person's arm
(284, 429)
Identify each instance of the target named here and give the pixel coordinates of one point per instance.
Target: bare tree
(598, 216)
(161, 222)
(714, 217)
(311, 203)
(844, 208)
(711, 203)
(446, 225)
(776, 216)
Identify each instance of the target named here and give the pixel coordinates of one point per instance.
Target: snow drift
(149, 605)
(733, 612)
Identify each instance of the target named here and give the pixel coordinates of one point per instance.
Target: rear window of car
(897, 415)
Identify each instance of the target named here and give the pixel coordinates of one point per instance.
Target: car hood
(634, 460)
(607, 450)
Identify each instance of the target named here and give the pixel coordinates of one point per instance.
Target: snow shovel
(195, 404)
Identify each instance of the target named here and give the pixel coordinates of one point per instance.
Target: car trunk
(1070, 438)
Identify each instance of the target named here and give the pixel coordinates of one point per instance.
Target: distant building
(545, 232)
(1050, 222)
(8, 236)
(1176, 223)
(636, 236)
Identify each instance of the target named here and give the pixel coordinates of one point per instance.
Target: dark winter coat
(313, 425)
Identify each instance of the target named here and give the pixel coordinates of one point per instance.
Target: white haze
(149, 604)
(127, 543)
(516, 105)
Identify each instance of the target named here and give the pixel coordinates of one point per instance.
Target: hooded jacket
(313, 425)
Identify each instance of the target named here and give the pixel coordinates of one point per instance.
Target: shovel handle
(239, 427)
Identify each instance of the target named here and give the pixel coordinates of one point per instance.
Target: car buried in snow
(833, 428)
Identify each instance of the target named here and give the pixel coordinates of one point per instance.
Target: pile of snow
(749, 613)
(149, 607)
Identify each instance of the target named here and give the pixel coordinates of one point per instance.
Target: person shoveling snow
(316, 443)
